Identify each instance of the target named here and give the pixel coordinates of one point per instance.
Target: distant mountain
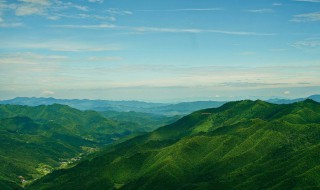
(315, 98)
(97, 105)
(240, 145)
(119, 106)
(37, 140)
(290, 101)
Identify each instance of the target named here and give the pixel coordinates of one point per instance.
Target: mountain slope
(241, 145)
(37, 140)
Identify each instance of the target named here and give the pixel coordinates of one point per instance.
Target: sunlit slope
(241, 145)
(36, 140)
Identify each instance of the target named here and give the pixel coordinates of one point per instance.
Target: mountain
(315, 98)
(97, 105)
(119, 106)
(88, 124)
(240, 145)
(37, 140)
(290, 101)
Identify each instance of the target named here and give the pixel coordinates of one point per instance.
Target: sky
(159, 50)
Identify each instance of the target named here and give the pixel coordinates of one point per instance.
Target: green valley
(37, 140)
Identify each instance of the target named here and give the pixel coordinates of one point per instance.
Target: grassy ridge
(241, 145)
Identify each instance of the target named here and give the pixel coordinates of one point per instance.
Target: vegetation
(37, 140)
(241, 145)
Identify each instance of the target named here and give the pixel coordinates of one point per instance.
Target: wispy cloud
(278, 50)
(252, 84)
(286, 92)
(311, 1)
(60, 46)
(116, 11)
(104, 59)
(183, 10)
(310, 43)
(81, 16)
(47, 93)
(29, 58)
(30, 9)
(10, 25)
(307, 17)
(260, 10)
(45, 8)
(96, 1)
(164, 30)
(98, 26)
(195, 30)
(40, 2)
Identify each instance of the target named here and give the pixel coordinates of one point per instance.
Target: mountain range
(166, 109)
(183, 108)
(240, 145)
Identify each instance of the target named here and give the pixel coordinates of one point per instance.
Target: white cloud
(60, 46)
(40, 2)
(260, 11)
(311, 1)
(101, 26)
(183, 10)
(81, 16)
(30, 9)
(10, 25)
(307, 17)
(96, 1)
(164, 30)
(310, 43)
(29, 58)
(278, 50)
(46, 8)
(104, 59)
(115, 11)
(47, 93)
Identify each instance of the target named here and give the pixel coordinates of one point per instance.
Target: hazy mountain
(97, 105)
(240, 145)
(315, 98)
(290, 101)
(119, 106)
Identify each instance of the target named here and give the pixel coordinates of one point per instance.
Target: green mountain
(241, 145)
(37, 140)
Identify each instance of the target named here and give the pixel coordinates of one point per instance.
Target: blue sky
(168, 50)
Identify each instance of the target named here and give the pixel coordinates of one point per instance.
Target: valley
(38, 140)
